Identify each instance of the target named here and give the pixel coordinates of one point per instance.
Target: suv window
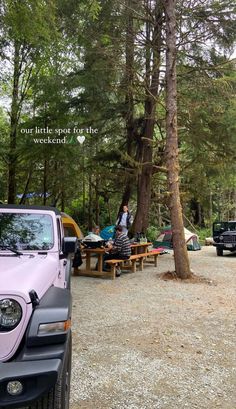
(26, 231)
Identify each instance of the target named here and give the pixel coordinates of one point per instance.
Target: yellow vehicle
(71, 228)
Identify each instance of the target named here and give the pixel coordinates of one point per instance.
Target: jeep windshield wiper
(11, 249)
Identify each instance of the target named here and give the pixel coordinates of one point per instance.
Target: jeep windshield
(26, 231)
(220, 227)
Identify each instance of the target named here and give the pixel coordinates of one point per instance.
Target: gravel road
(140, 342)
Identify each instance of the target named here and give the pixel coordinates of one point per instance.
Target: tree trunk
(146, 144)
(63, 199)
(233, 211)
(97, 207)
(13, 126)
(159, 215)
(45, 171)
(83, 186)
(29, 176)
(129, 97)
(182, 267)
(109, 211)
(90, 201)
(210, 209)
(126, 196)
(200, 216)
(144, 192)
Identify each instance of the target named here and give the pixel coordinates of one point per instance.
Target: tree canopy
(83, 108)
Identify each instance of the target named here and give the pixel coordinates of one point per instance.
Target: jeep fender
(55, 306)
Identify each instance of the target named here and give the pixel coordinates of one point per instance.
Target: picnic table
(98, 252)
(139, 250)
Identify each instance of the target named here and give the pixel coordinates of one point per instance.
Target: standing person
(125, 219)
(120, 249)
(96, 230)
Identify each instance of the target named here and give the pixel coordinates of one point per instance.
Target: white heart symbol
(81, 139)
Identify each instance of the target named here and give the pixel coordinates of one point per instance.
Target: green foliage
(203, 234)
(30, 21)
(94, 8)
(74, 73)
(152, 233)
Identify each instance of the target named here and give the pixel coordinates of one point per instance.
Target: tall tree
(182, 266)
(145, 140)
(129, 94)
(23, 44)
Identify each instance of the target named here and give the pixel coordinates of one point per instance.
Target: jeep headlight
(10, 314)
(221, 238)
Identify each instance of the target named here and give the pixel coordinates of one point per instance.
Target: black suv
(224, 236)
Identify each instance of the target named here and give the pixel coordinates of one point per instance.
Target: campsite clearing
(141, 342)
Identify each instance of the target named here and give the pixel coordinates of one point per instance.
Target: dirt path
(144, 343)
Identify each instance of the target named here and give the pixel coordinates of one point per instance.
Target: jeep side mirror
(69, 245)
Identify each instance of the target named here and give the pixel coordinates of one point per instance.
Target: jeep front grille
(230, 239)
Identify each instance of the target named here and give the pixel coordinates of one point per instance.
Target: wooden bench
(154, 254)
(132, 262)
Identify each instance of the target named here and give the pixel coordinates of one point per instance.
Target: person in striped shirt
(119, 250)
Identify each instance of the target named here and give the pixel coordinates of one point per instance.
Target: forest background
(83, 111)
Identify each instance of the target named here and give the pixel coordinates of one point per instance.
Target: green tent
(166, 236)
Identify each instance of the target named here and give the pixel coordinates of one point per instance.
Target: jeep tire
(59, 396)
(61, 391)
(219, 251)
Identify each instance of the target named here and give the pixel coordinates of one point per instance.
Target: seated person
(120, 249)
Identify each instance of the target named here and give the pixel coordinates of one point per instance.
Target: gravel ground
(144, 343)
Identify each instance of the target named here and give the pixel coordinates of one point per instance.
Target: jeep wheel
(59, 396)
(219, 252)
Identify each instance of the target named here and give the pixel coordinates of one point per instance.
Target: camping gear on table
(165, 239)
(140, 237)
(108, 233)
(93, 241)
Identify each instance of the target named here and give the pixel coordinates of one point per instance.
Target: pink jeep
(35, 308)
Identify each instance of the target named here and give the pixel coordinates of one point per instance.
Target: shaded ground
(144, 343)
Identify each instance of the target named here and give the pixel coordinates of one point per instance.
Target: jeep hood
(21, 274)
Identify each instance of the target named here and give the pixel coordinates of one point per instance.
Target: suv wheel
(59, 396)
(219, 252)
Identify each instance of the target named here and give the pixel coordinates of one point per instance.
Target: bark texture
(182, 267)
(146, 141)
(13, 128)
(129, 96)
